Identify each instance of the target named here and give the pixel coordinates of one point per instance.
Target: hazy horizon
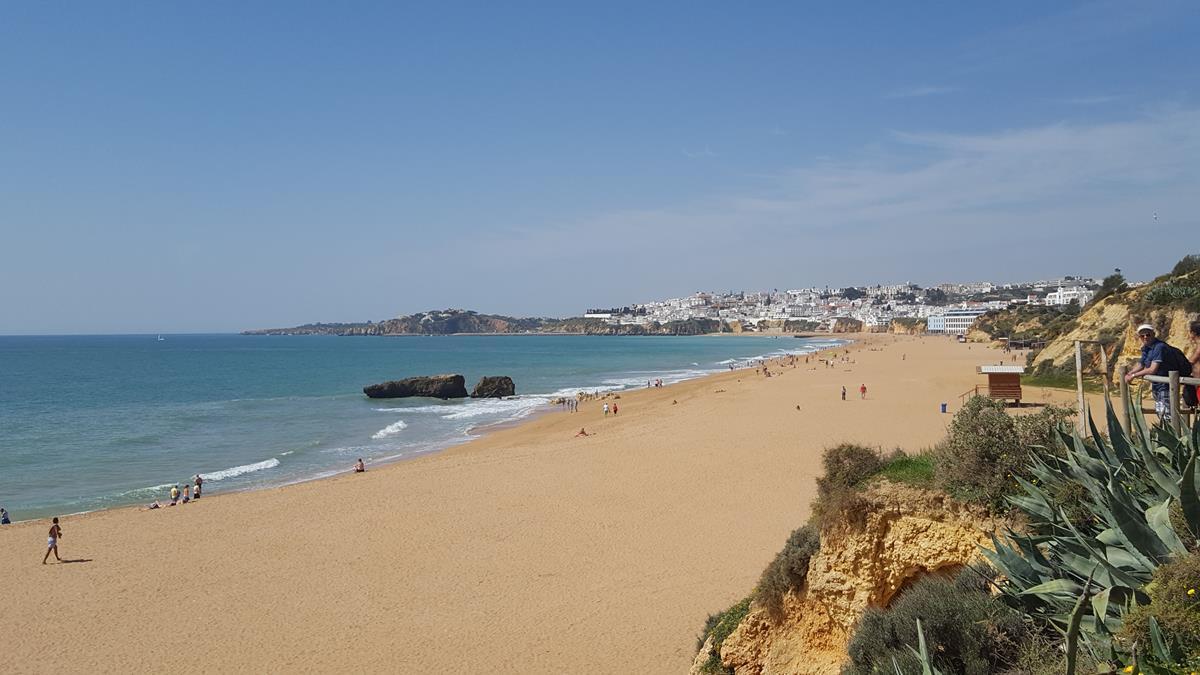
(218, 168)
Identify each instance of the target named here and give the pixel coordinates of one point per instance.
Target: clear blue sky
(216, 166)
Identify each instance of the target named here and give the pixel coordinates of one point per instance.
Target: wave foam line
(239, 470)
(390, 430)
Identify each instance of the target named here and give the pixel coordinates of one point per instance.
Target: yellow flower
(1129, 669)
(1191, 591)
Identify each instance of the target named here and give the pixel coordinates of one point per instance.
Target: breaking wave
(239, 470)
(390, 430)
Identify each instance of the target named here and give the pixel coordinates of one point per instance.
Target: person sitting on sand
(359, 467)
(153, 505)
(582, 432)
(4, 518)
(187, 493)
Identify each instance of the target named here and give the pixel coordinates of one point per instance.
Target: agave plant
(1082, 576)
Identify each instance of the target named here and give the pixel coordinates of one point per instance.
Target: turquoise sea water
(91, 422)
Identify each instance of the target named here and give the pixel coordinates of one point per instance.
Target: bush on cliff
(1175, 605)
(847, 466)
(987, 447)
(966, 631)
(720, 626)
(788, 570)
(977, 460)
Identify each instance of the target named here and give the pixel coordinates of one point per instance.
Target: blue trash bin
(943, 408)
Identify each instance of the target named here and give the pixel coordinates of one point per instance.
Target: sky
(220, 166)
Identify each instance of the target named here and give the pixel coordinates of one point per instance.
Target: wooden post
(1124, 397)
(1104, 366)
(1174, 385)
(1082, 417)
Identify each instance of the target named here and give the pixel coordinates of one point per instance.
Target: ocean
(94, 422)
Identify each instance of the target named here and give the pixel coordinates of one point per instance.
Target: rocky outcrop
(908, 326)
(902, 534)
(846, 325)
(494, 387)
(433, 386)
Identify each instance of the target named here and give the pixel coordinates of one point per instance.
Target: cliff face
(905, 533)
(914, 327)
(846, 325)
(1114, 320)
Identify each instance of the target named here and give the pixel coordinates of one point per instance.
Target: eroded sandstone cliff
(901, 535)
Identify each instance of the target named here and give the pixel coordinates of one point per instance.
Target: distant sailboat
(161, 338)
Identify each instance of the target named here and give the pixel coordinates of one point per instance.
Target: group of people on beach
(862, 392)
(189, 493)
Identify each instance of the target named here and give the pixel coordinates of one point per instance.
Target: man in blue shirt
(1152, 364)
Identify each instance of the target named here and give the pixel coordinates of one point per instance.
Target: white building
(954, 321)
(1064, 296)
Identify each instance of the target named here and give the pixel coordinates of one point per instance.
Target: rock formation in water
(433, 386)
(497, 386)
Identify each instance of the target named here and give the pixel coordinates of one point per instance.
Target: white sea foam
(511, 407)
(391, 429)
(239, 470)
(418, 409)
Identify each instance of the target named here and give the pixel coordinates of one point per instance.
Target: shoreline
(526, 550)
(471, 435)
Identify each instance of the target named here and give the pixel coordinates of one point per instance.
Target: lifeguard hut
(1004, 382)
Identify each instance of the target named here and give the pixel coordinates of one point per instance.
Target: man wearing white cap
(1154, 353)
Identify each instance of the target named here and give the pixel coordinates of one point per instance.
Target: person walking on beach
(614, 410)
(52, 542)
(843, 393)
(606, 410)
(862, 392)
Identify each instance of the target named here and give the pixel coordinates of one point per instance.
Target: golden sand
(529, 550)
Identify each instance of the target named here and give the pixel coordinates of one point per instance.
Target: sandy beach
(528, 550)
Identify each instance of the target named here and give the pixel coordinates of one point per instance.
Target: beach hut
(1004, 382)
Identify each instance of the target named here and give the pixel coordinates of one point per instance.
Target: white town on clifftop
(948, 308)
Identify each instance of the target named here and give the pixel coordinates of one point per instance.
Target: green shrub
(846, 467)
(788, 570)
(1040, 429)
(966, 631)
(1186, 265)
(1176, 610)
(979, 457)
(1043, 654)
(720, 626)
